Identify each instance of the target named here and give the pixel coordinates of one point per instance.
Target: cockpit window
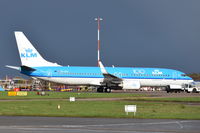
(184, 75)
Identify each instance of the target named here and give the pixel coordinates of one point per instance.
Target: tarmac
(22, 124)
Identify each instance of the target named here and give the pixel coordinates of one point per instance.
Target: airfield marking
(103, 125)
(90, 125)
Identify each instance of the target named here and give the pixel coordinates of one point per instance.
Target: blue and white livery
(104, 78)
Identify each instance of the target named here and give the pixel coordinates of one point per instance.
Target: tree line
(194, 76)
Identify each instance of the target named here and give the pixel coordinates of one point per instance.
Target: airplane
(103, 78)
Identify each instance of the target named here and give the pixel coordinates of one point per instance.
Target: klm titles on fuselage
(28, 54)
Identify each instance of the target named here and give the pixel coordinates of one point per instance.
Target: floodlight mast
(98, 39)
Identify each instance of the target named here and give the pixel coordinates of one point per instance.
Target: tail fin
(28, 54)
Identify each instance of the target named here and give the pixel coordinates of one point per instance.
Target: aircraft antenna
(98, 39)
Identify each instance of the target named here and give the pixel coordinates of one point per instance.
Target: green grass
(147, 107)
(126, 96)
(114, 109)
(64, 95)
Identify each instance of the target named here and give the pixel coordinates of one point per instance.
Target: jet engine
(130, 84)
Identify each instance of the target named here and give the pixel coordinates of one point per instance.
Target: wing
(109, 79)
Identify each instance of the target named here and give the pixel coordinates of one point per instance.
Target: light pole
(98, 39)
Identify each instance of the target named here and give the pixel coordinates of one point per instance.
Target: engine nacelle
(131, 85)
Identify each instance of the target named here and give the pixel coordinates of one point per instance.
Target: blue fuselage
(135, 73)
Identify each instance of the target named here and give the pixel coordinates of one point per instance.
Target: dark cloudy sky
(138, 33)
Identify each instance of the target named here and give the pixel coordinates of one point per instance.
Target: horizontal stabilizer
(13, 67)
(26, 68)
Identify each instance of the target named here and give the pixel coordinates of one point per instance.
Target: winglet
(103, 70)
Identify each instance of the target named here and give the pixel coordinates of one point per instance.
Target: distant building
(16, 82)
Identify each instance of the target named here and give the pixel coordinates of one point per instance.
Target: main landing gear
(103, 89)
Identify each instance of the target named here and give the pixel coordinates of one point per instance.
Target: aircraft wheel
(107, 90)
